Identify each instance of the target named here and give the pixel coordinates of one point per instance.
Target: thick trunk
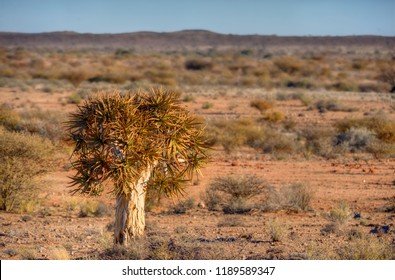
(130, 214)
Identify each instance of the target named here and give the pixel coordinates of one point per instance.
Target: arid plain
(312, 123)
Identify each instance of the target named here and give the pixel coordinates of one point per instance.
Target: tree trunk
(130, 213)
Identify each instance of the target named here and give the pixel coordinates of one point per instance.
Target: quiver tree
(137, 141)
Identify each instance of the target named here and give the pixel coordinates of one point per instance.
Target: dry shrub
(262, 105)
(59, 253)
(93, 208)
(354, 139)
(198, 64)
(207, 105)
(9, 118)
(298, 196)
(344, 86)
(381, 125)
(331, 105)
(367, 248)
(318, 140)
(161, 247)
(279, 144)
(341, 214)
(234, 133)
(47, 124)
(232, 194)
(231, 222)
(387, 75)
(24, 157)
(76, 76)
(289, 64)
(277, 231)
(274, 117)
(183, 206)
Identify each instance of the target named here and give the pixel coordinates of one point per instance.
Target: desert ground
(322, 147)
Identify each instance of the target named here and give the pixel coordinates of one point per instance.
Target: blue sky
(280, 17)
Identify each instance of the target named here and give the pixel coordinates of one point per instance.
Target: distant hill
(183, 40)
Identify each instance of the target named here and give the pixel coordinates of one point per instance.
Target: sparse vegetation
(23, 158)
(322, 116)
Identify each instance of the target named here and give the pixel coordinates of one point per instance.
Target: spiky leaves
(117, 137)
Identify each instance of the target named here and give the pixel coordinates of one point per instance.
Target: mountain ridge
(179, 40)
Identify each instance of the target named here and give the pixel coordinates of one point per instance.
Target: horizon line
(191, 30)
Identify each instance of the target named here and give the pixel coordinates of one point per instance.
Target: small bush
(239, 187)
(277, 231)
(381, 125)
(345, 86)
(331, 105)
(288, 64)
(183, 206)
(9, 118)
(212, 199)
(74, 98)
(198, 64)
(354, 139)
(318, 140)
(262, 105)
(188, 98)
(207, 105)
(237, 206)
(274, 117)
(298, 196)
(279, 144)
(232, 194)
(92, 208)
(23, 158)
(341, 214)
(44, 123)
(367, 248)
(234, 133)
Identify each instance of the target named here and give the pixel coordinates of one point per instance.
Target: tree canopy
(118, 136)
